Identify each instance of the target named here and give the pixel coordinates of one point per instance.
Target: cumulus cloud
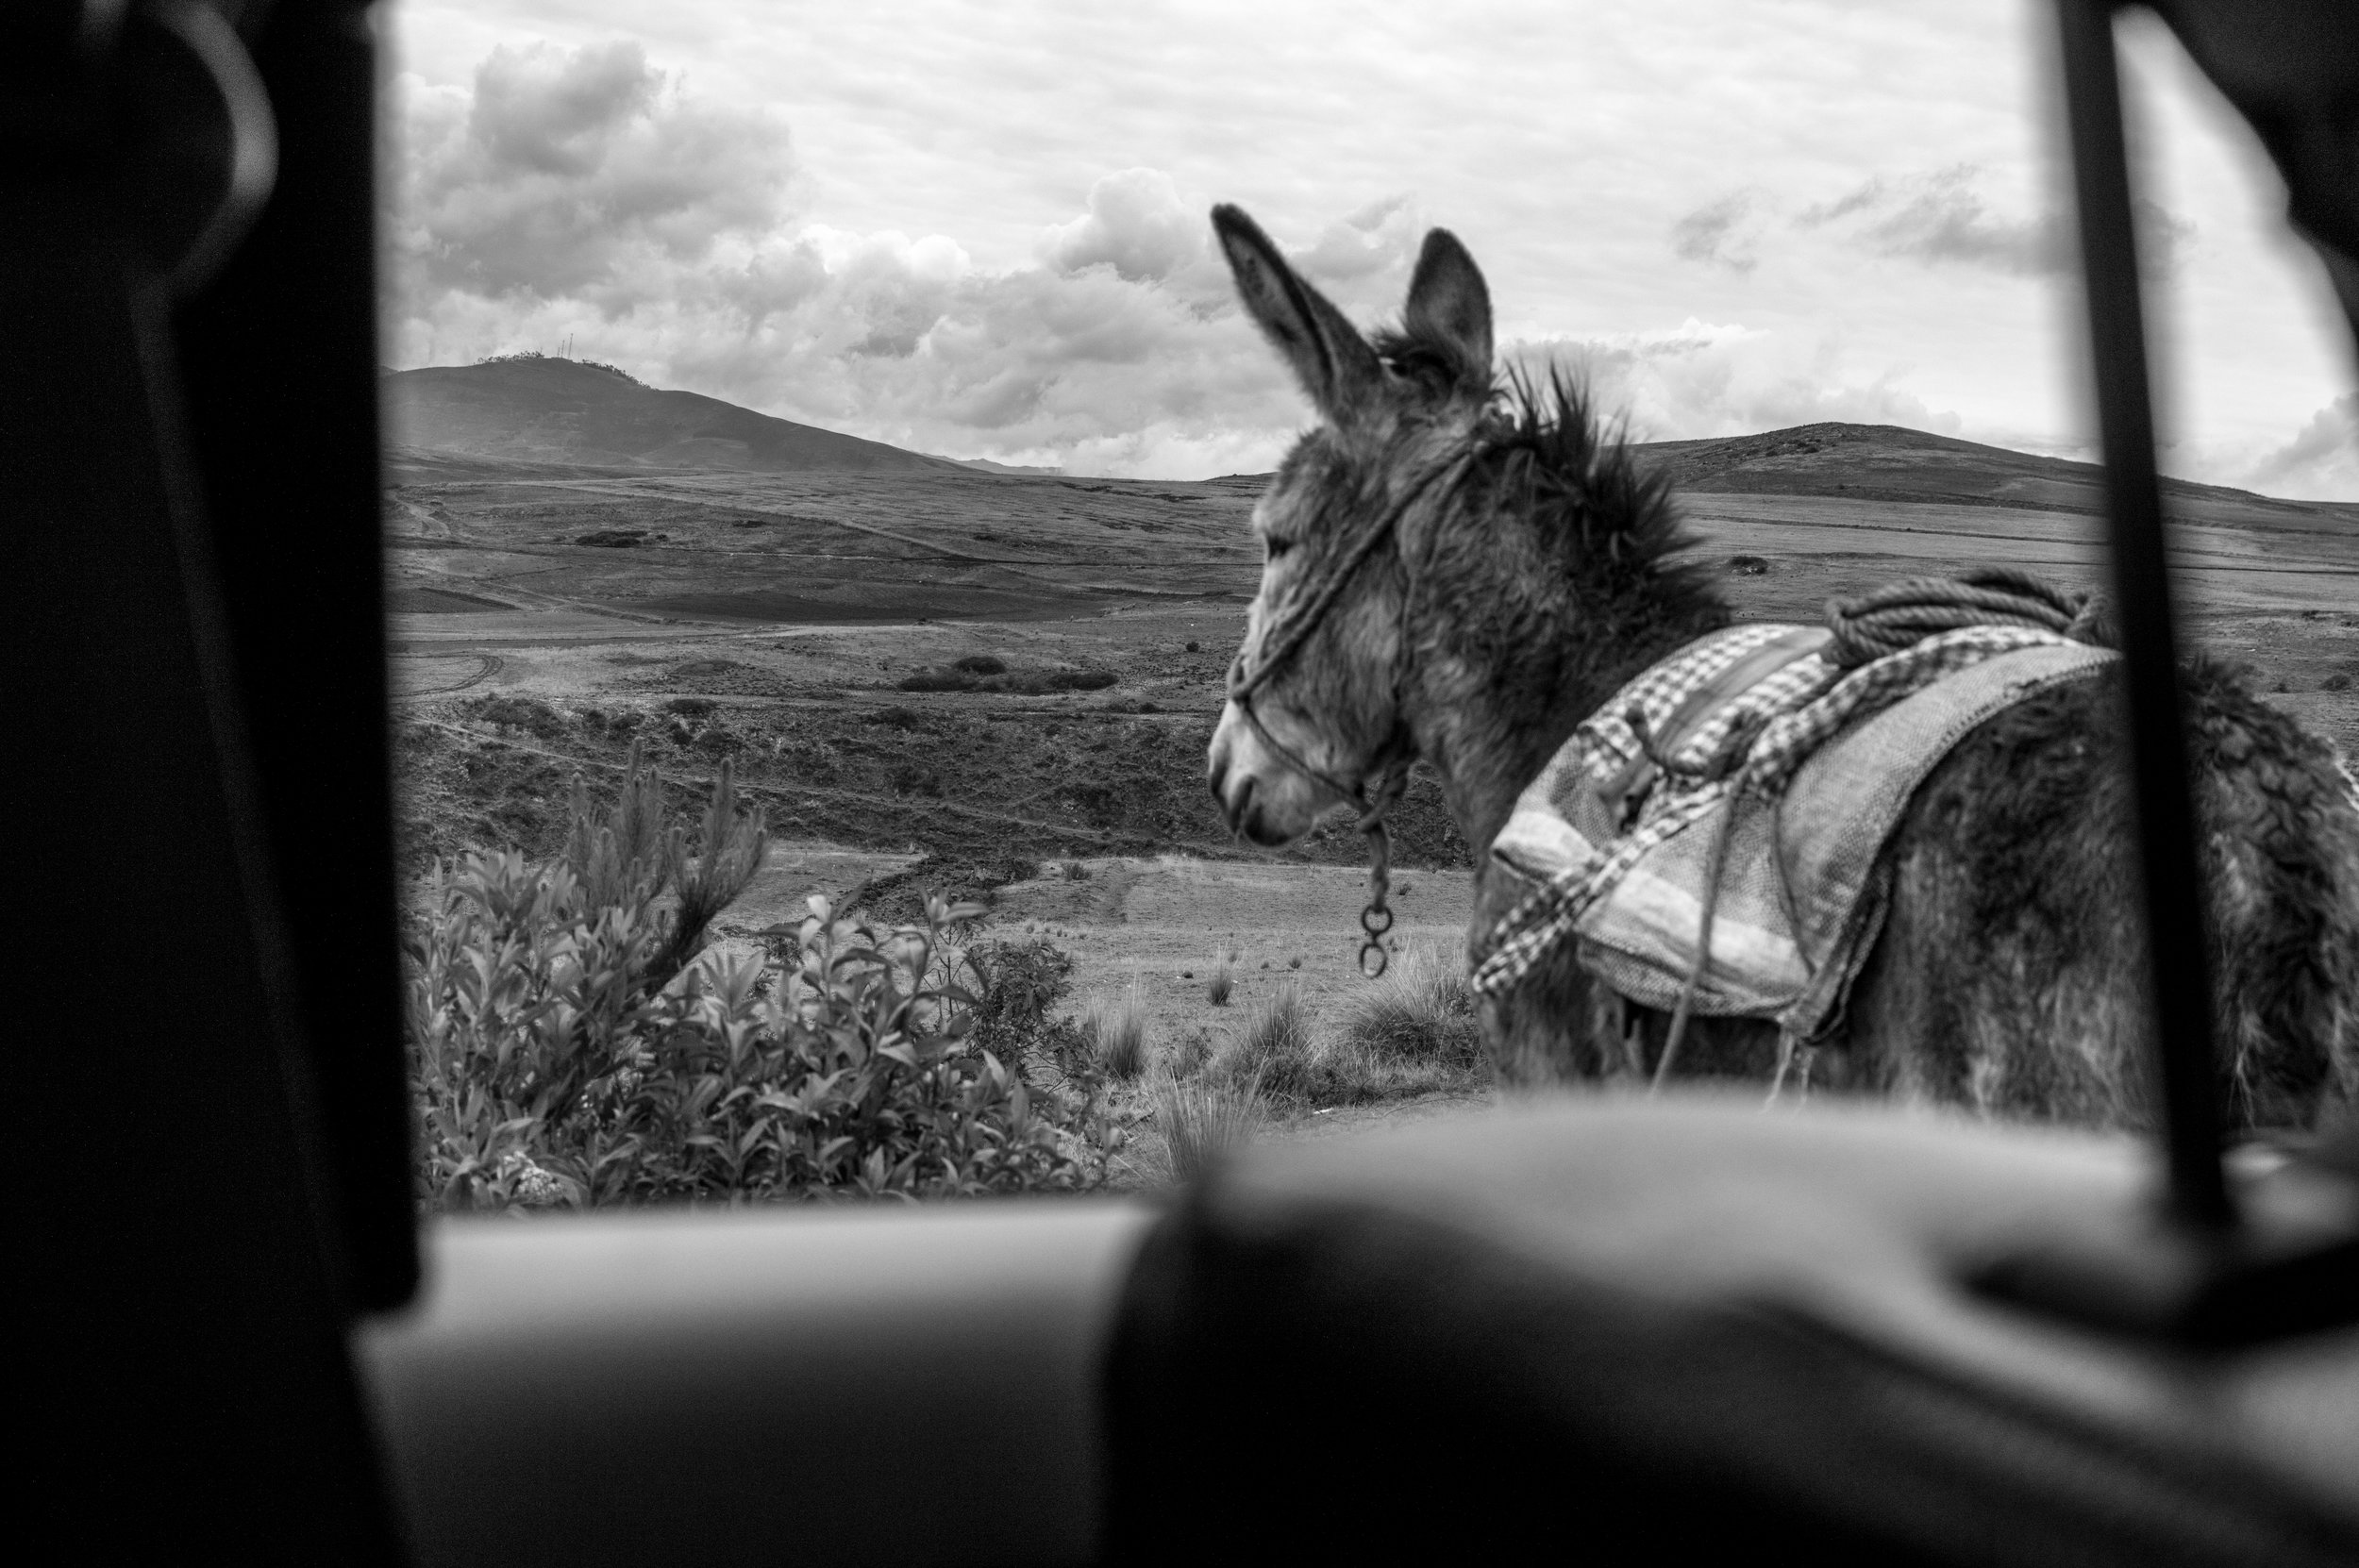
(2322, 462)
(591, 193)
(1718, 234)
(1136, 223)
(586, 174)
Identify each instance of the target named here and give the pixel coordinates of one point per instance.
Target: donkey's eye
(1275, 547)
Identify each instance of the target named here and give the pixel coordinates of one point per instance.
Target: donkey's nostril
(1219, 773)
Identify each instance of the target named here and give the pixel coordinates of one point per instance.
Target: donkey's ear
(1449, 306)
(1329, 357)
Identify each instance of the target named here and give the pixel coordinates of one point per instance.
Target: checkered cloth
(1615, 836)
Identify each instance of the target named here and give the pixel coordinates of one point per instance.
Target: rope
(1897, 615)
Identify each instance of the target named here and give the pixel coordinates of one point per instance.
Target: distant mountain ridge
(1893, 463)
(540, 410)
(1890, 463)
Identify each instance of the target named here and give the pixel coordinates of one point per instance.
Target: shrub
(693, 708)
(509, 711)
(1027, 683)
(560, 1054)
(1748, 566)
(1116, 1031)
(1199, 1122)
(983, 664)
(2337, 683)
(897, 718)
(935, 680)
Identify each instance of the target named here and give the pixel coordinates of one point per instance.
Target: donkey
(1458, 574)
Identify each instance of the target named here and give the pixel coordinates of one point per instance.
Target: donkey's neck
(1502, 696)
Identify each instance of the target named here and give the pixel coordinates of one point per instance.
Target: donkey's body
(1518, 598)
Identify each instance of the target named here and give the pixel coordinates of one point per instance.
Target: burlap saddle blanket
(1753, 744)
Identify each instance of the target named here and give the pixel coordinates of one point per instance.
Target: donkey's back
(2008, 974)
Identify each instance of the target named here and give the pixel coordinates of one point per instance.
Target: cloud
(1704, 380)
(2322, 462)
(1710, 234)
(1136, 223)
(584, 174)
(1941, 219)
(588, 192)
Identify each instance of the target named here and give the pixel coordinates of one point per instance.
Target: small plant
(1075, 871)
(1223, 980)
(2337, 683)
(1200, 1122)
(982, 664)
(693, 708)
(1116, 1031)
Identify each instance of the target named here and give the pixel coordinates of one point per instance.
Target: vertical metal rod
(2179, 982)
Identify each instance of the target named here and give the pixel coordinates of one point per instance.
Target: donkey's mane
(1612, 520)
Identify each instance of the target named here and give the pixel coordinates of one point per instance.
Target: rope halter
(1284, 640)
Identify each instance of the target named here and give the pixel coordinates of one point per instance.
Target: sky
(980, 229)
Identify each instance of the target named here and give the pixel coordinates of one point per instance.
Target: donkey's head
(1315, 700)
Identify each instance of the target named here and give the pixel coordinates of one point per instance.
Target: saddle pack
(1751, 754)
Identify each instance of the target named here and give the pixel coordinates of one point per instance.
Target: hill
(540, 410)
(1887, 463)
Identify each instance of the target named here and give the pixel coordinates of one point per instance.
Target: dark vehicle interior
(1665, 1331)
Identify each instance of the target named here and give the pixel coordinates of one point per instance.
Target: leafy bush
(563, 1050)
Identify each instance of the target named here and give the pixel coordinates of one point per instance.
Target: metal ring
(1376, 920)
(1381, 959)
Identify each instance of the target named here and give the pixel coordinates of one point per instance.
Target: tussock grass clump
(1415, 1033)
(1115, 1028)
(1200, 1121)
(1222, 979)
(1422, 1012)
(1274, 1052)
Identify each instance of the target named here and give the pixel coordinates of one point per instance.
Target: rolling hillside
(549, 410)
(1886, 462)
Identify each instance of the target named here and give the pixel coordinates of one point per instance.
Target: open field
(773, 619)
